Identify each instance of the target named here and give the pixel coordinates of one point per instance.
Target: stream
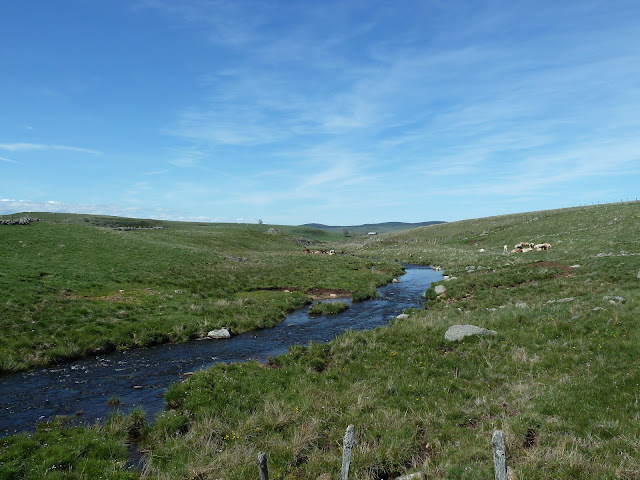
(140, 377)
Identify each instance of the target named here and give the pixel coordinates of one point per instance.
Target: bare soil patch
(565, 270)
(326, 293)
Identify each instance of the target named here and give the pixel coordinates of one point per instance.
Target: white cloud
(8, 160)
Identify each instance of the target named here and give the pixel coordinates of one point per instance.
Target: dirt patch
(565, 271)
(326, 293)
(277, 289)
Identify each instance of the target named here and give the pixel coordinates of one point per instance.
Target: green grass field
(561, 377)
(74, 286)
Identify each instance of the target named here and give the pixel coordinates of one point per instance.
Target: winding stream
(141, 376)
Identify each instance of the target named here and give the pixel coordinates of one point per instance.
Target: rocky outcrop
(20, 221)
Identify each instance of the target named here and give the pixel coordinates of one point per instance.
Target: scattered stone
(138, 387)
(179, 292)
(236, 259)
(458, 332)
(470, 268)
(219, 333)
(448, 278)
(575, 317)
(395, 280)
(437, 269)
(574, 266)
(412, 476)
(614, 299)
(440, 289)
(521, 305)
(20, 221)
(566, 300)
(638, 273)
(402, 316)
(482, 250)
(273, 231)
(597, 309)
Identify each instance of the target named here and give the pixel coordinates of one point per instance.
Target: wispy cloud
(8, 160)
(17, 147)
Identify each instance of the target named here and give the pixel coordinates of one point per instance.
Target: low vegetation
(560, 378)
(328, 308)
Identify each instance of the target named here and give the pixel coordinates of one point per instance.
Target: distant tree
(346, 232)
(260, 222)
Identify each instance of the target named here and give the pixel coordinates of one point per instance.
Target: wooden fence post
(262, 464)
(499, 455)
(348, 442)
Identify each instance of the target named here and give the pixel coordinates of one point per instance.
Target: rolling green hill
(560, 377)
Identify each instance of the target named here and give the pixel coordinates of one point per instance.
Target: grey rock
(440, 289)
(574, 266)
(521, 305)
(402, 316)
(219, 333)
(470, 268)
(614, 299)
(566, 300)
(638, 273)
(458, 332)
(395, 280)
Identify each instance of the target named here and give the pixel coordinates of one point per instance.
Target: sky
(336, 112)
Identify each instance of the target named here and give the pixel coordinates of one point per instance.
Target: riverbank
(139, 377)
(560, 377)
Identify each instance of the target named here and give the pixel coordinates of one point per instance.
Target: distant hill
(384, 227)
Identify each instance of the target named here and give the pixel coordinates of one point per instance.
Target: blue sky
(333, 112)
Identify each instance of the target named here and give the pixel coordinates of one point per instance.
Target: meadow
(75, 285)
(560, 378)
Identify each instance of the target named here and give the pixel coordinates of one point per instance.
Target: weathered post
(499, 455)
(348, 442)
(262, 463)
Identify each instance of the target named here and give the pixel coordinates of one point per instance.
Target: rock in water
(458, 332)
(219, 333)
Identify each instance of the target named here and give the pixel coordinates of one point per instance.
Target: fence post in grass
(499, 455)
(262, 464)
(347, 445)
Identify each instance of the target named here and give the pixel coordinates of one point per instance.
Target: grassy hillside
(561, 376)
(73, 285)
